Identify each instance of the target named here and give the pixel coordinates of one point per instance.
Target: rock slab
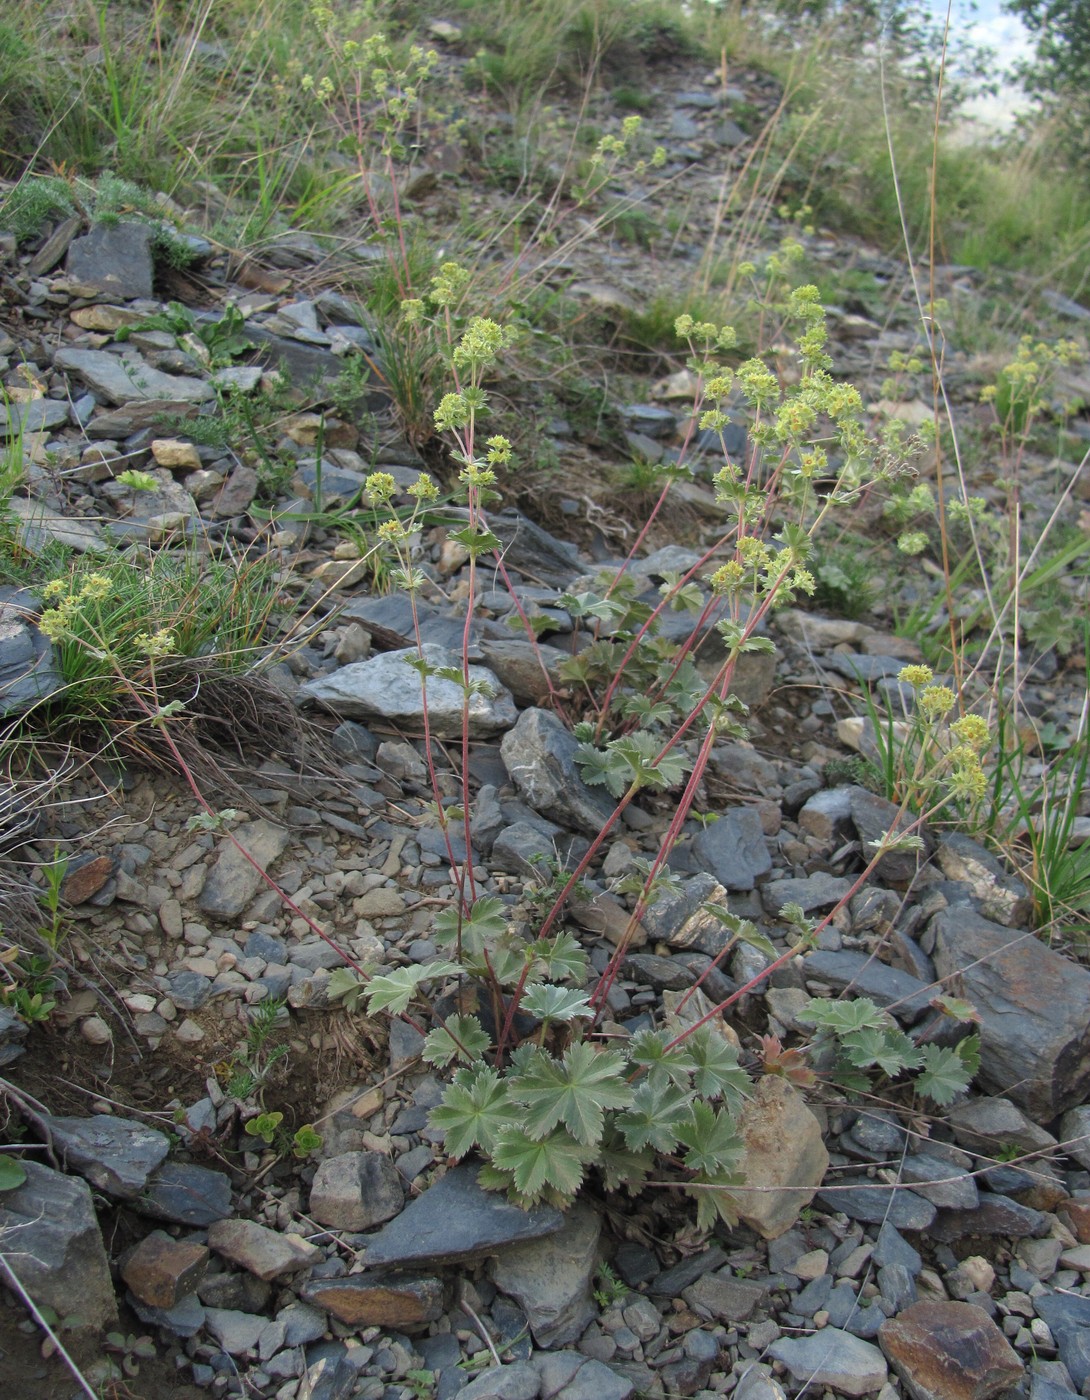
(949, 1351)
(1034, 1006)
(456, 1219)
(783, 1158)
(833, 1358)
(550, 1278)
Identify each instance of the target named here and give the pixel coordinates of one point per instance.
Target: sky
(986, 25)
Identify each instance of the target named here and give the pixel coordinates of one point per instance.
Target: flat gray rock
(734, 849)
(186, 1194)
(539, 755)
(550, 1278)
(865, 976)
(113, 260)
(32, 417)
(833, 1358)
(116, 1155)
(877, 1205)
(233, 880)
(1034, 1006)
(28, 668)
(813, 893)
(455, 1219)
(128, 377)
(387, 685)
(53, 1243)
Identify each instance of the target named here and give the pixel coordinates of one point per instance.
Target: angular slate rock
(949, 1351)
(113, 260)
(999, 896)
(387, 685)
(28, 669)
(356, 1191)
(678, 916)
(873, 1205)
(734, 850)
(186, 1194)
(873, 817)
(833, 1358)
(530, 550)
(953, 1188)
(455, 1219)
(116, 1155)
(992, 1216)
(233, 880)
(32, 417)
(1034, 1006)
(866, 976)
(128, 378)
(1068, 1319)
(550, 1278)
(53, 1243)
(539, 755)
(813, 893)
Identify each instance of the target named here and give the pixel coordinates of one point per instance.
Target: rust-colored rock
(1077, 1212)
(84, 881)
(949, 1351)
(161, 1271)
(362, 1301)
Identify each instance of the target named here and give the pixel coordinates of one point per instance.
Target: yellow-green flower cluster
(936, 701)
(56, 621)
(152, 644)
(380, 488)
(481, 344)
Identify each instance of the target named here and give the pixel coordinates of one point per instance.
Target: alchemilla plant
(545, 1087)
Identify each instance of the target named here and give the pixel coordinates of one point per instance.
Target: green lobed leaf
(718, 1073)
(560, 959)
(551, 1003)
(652, 1119)
(574, 1090)
(946, 1073)
(458, 1038)
(885, 1048)
(647, 1049)
(555, 1161)
(713, 1142)
(841, 1017)
(475, 1108)
(393, 991)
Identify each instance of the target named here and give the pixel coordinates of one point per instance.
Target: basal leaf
(887, 1049)
(458, 1038)
(717, 1075)
(840, 1017)
(647, 1048)
(713, 1142)
(556, 1160)
(393, 991)
(475, 1108)
(574, 1091)
(560, 959)
(654, 1115)
(945, 1074)
(550, 1003)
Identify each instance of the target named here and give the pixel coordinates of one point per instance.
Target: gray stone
(519, 1381)
(833, 1358)
(356, 1191)
(539, 754)
(999, 895)
(188, 990)
(233, 880)
(672, 1281)
(127, 378)
(455, 1220)
(32, 417)
(892, 1249)
(113, 260)
(184, 1319)
(859, 666)
(994, 1216)
(1068, 1319)
(1034, 1006)
(387, 685)
(309, 365)
(594, 1381)
(989, 1125)
(828, 814)
(734, 850)
(873, 818)
(28, 668)
(551, 1278)
(937, 1180)
(678, 916)
(186, 1194)
(866, 976)
(897, 1285)
(116, 1155)
(531, 551)
(874, 1205)
(53, 1245)
(266, 1253)
(1075, 1135)
(812, 893)
(236, 1332)
(725, 1298)
(878, 1134)
(757, 1384)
